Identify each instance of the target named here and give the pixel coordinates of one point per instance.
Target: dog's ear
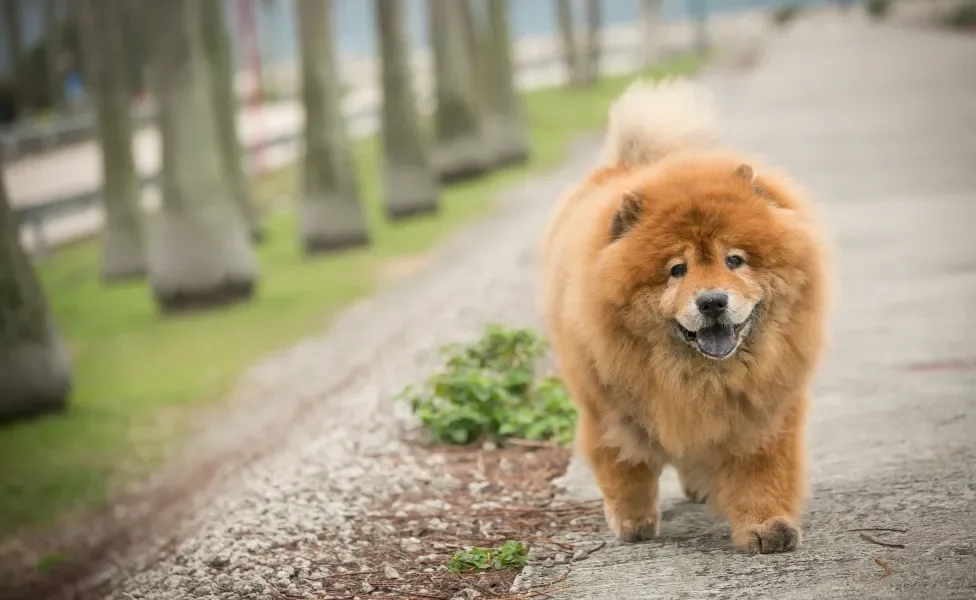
(746, 172)
(628, 213)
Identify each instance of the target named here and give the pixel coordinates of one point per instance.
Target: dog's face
(694, 259)
(711, 298)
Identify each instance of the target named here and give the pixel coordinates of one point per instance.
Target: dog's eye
(679, 271)
(734, 262)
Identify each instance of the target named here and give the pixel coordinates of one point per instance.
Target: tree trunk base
(258, 235)
(124, 276)
(459, 173)
(200, 260)
(400, 213)
(35, 378)
(512, 159)
(185, 301)
(313, 245)
(123, 254)
(507, 138)
(411, 191)
(463, 159)
(330, 222)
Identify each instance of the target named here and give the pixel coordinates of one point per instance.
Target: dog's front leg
(630, 489)
(762, 494)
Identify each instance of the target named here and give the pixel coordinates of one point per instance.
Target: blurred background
(190, 186)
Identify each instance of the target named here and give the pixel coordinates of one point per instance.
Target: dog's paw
(778, 534)
(694, 485)
(696, 496)
(631, 530)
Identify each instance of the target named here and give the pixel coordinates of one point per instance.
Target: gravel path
(333, 396)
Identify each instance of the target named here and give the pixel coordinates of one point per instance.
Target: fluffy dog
(685, 292)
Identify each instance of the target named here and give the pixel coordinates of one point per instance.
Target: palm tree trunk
(35, 371)
(122, 251)
(594, 25)
(460, 151)
(703, 42)
(409, 182)
(567, 33)
(225, 113)
(650, 19)
(472, 21)
(199, 252)
(330, 216)
(478, 48)
(15, 51)
(53, 44)
(134, 33)
(507, 124)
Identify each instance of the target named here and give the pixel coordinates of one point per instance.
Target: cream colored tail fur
(652, 120)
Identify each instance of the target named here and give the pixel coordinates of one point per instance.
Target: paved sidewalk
(881, 124)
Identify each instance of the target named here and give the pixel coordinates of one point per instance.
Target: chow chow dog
(685, 291)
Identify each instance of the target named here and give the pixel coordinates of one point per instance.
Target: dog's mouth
(718, 341)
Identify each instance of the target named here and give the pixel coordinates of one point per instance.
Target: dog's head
(698, 253)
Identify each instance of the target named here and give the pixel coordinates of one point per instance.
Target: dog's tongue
(716, 341)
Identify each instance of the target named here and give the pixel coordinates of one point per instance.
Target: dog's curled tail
(652, 120)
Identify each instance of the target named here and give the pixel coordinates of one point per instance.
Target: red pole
(250, 48)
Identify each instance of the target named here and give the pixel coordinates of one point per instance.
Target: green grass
(139, 377)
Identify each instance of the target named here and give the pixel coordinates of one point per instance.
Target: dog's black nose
(712, 304)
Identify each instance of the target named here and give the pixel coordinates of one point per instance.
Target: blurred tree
(217, 44)
(330, 216)
(199, 252)
(136, 44)
(410, 186)
(35, 371)
(594, 30)
(567, 33)
(53, 40)
(699, 11)
(123, 254)
(473, 26)
(650, 19)
(13, 36)
(505, 121)
(460, 151)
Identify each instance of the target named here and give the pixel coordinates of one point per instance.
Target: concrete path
(881, 124)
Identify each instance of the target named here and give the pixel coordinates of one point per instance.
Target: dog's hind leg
(695, 483)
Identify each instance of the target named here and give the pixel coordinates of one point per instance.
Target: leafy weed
(489, 389)
(511, 555)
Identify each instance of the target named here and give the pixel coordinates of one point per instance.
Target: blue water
(355, 19)
(355, 26)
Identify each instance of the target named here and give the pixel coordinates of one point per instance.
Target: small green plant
(879, 8)
(489, 389)
(48, 562)
(785, 13)
(511, 555)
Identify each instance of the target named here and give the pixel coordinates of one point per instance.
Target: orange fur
(646, 398)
